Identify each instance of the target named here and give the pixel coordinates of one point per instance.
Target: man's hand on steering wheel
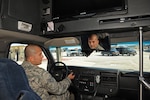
(71, 76)
(59, 72)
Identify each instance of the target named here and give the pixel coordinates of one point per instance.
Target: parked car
(112, 52)
(126, 50)
(147, 50)
(74, 52)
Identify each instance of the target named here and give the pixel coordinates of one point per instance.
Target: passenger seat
(14, 83)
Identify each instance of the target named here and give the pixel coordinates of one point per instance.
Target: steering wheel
(59, 71)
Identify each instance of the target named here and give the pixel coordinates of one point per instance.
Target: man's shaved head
(33, 54)
(30, 50)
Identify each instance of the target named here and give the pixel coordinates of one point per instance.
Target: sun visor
(67, 41)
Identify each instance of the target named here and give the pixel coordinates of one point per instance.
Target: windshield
(122, 56)
(127, 59)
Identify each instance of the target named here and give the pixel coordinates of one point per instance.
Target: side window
(16, 53)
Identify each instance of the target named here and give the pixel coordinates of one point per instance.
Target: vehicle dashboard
(99, 83)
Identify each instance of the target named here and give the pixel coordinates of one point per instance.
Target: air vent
(109, 79)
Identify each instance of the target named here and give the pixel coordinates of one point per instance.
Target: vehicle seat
(14, 83)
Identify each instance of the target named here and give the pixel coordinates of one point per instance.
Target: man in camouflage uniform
(40, 80)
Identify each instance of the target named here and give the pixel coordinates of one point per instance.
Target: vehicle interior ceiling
(11, 36)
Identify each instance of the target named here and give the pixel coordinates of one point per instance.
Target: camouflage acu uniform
(43, 83)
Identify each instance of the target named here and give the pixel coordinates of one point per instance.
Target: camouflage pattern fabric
(42, 82)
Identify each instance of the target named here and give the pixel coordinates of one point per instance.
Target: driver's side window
(16, 53)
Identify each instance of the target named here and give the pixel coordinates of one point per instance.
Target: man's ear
(30, 59)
